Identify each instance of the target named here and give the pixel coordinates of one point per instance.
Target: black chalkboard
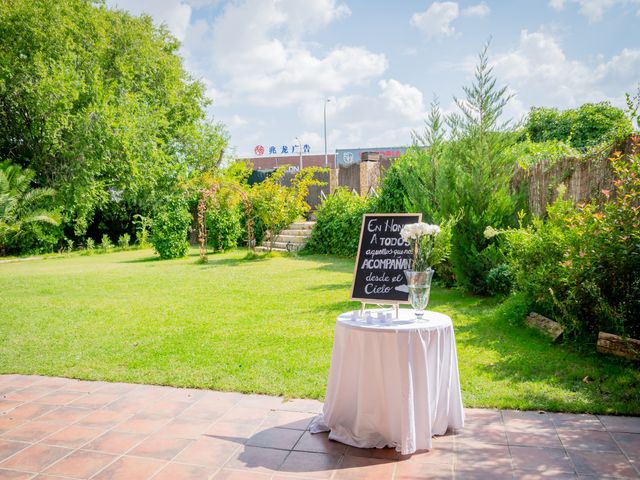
(382, 259)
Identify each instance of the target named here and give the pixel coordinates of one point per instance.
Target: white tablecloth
(392, 383)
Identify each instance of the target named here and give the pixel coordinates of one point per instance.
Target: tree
(475, 174)
(21, 205)
(97, 103)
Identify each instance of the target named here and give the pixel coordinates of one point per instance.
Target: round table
(392, 382)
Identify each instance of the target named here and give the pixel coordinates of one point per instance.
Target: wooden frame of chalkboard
(378, 285)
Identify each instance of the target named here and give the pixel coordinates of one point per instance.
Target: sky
(272, 67)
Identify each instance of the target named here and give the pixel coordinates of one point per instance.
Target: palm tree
(20, 204)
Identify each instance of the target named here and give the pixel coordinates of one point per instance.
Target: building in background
(267, 163)
(350, 156)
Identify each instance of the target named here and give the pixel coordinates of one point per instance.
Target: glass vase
(419, 283)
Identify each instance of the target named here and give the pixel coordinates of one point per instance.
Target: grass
(266, 326)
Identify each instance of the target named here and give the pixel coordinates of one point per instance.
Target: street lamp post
(326, 158)
(300, 151)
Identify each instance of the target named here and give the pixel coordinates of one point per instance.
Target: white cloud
(259, 46)
(594, 10)
(436, 20)
(402, 98)
(479, 10)
(542, 75)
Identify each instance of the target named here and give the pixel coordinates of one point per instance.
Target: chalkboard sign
(382, 259)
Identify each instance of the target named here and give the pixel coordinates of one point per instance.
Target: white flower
(414, 231)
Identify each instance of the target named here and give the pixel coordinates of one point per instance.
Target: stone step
(302, 225)
(291, 238)
(298, 233)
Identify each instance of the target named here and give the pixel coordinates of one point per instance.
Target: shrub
(586, 126)
(124, 240)
(582, 266)
(91, 246)
(500, 280)
(170, 228)
(143, 226)
(224, 225)
(106, 244)
(338, 224)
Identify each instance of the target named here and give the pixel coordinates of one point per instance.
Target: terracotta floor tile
(363, 468)
(190, 395)
(587, 440)
(572, 421)
(435, 455)
(481, 416)
(103, 419)
(495, 434)
(7, 405)
(8, 423)
(484, 472)
(164, 448)
(84, 386)
(142, 423)
(545, 475)
(282, 438)
(312, 465)
(170, 408)
(95, 400)
(71, 437)
(127, 405)
(319, 443)
(9, 447)
(184, 428)
(541, 459)
(284, 419)
(60, 397)
(115, 442)
(239, 432)
(228, 474)
(208, 452)
(28, 394)
(421, 471)
(485, 456)
(261, 401)
(238, 414)
(257, 459)
(602, 464)
(65, 415)
(30, 411)
(54, 383)
(32, 431)
(549, 439)
(207, 409)
(381, 453)
(129, 468)
(35, 458)
(81, 464)
(621, 424)
(629, 443)
(15, 475)
(179, 471)
(302, 405)
(116, 388)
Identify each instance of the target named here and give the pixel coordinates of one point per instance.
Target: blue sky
(268, 65)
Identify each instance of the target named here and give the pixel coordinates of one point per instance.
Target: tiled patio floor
(59, 428)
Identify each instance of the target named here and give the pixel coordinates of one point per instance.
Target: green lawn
(264, 325)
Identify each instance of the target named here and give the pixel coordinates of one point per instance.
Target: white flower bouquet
(429, 243)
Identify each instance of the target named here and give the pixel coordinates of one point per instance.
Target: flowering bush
(429, 243)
